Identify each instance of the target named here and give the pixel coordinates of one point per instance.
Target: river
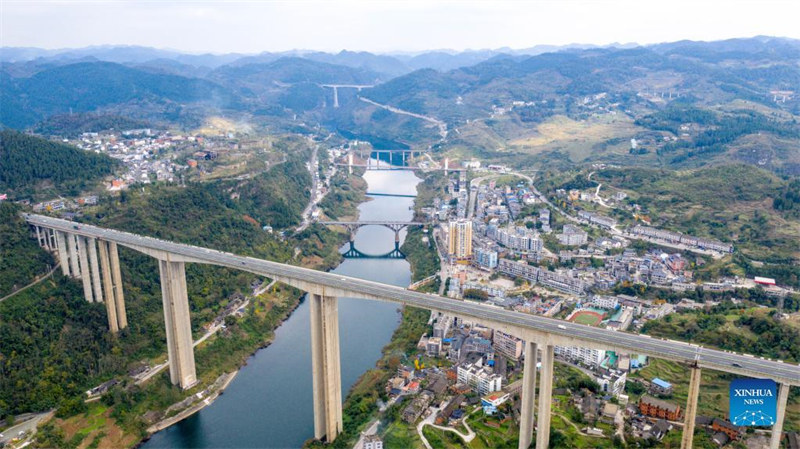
(269, 403)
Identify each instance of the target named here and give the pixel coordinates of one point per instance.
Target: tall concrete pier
(179, 329)
(116, 277)
(63, 252)
(528, 396)
(108, 287)
(326, 366)
(94, 267)
(72, 249)
(777, 428)
(691, 408)
(83, 254)
(545, 398)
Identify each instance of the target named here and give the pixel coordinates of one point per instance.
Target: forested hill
(21, 260)
(29, 163)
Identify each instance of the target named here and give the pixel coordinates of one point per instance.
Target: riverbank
(223, 380)
(138, 411)
(362, 403)
(351, 192)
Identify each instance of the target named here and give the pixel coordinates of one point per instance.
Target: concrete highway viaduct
(75, 242)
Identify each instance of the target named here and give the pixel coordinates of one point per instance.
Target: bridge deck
(636, 344)
(375, 222)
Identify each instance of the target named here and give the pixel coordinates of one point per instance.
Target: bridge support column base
(325, 366)
(179, 329)
(528, 394)
(545, 398)
(63, 252)
(119, 295)
(94, 268)
(72, 245)
(691, 409)
(108, 287)
(777, 428)
(83, 254)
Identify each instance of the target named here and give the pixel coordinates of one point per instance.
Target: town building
(519, 238)
(479, 379)
(486, 258)
(605, 302)
(434, 347)
(460, 239)
(572, 235)
(372, 442)
(612, 382)
(660, 387)
(587, 356)
(507, 345)
(601, 220)
(721, 425)
(657, 408)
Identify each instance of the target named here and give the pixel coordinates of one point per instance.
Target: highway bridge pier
(100, 275)
(326, 366)
(538, 333)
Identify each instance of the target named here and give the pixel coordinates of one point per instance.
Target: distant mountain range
(392, 64)
(507, 91)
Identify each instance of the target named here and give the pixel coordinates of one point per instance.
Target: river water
(269, 403)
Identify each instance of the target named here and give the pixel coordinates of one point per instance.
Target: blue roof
(662, 383)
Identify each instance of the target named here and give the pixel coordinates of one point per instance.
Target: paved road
(358, 288)
(473, 194)
(314, 200)
(25, 427)
(49, 273)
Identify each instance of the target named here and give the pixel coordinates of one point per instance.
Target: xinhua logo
(753, 402)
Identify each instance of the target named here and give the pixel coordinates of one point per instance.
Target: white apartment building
(587, 356)
(479, 379)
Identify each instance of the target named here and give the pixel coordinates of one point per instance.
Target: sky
(384, 25)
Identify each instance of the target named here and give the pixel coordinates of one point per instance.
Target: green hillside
(21, 259)
(31, 164)
(88, 86)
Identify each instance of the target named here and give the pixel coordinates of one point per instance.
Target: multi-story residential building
(460, 239)
(544, 217)
(657, 408)
(676, 237)
(477, 344)
(519, 239)
(479, 379)
(612, 382)
(507, 345)
(605, 302)
(486, 258)
(433, 347)
(442, 326)
(587, 356)
(561, 281)
(601, 220)
(497, 292)
(572, 235)
(518, 269)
